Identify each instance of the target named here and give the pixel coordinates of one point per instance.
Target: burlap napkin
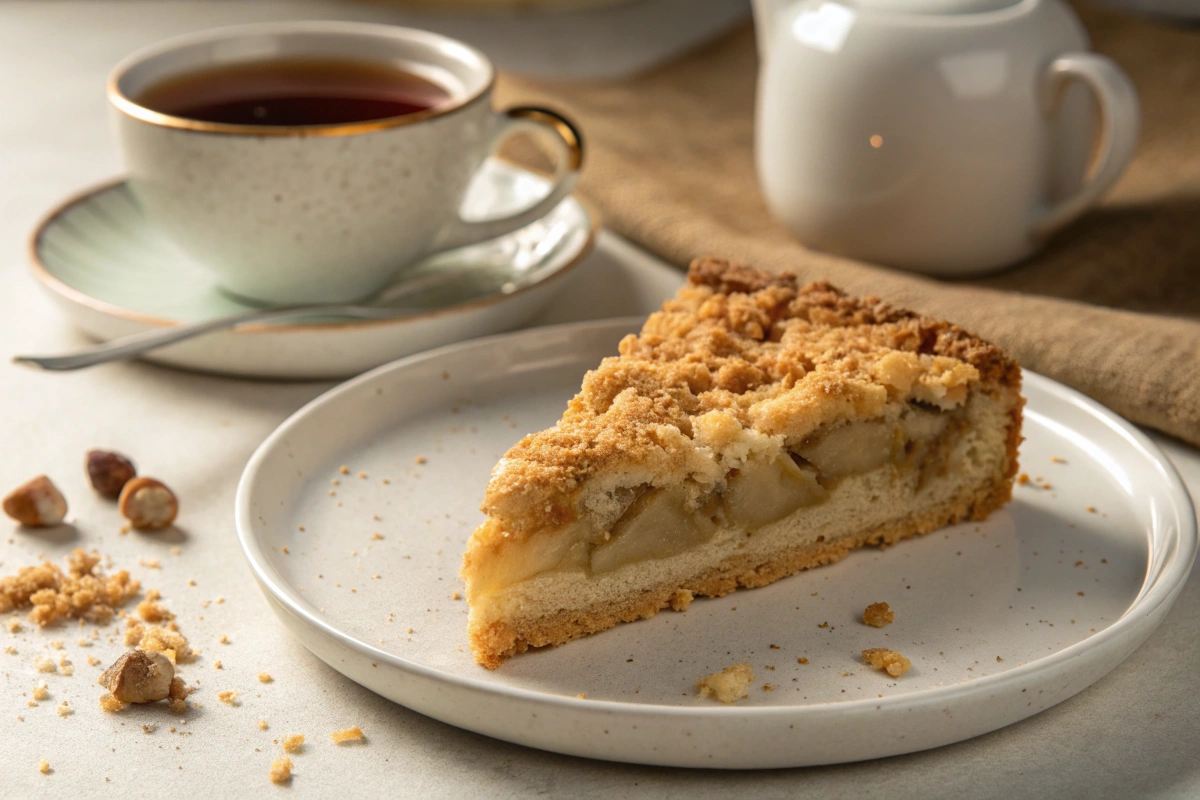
(1111, 308)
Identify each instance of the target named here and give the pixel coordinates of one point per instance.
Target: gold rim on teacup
(130, 107)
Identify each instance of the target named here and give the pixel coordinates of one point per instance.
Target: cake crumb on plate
(878, 614)
(728, 685)
(887, 660)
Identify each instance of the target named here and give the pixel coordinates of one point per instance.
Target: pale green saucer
(114, 273)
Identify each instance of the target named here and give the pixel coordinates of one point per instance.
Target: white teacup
(942, 136)
(322, 213)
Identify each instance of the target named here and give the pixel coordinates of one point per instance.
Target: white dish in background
(113, 274)
(1001, 619)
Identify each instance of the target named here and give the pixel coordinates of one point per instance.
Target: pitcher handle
(1119, 124)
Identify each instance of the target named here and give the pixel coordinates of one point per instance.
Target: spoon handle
(136, 345)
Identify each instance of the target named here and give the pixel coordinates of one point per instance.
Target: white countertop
(1135, 733)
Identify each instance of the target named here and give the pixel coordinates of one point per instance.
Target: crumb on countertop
(264, 677)
(281, 770)
(729, 685)
(1023, 478)
(44, 767)
(802, 660)
(887, 660)
(229, 697)
(262, 725)
(878, 614)
(351, 734)
(293, 743)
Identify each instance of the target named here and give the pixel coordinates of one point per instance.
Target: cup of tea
(311, 162)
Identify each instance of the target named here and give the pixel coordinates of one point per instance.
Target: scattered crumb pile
(878, 614)
(353, 734)
(728, 685)
(82, 592)
(889, 661)
(281, 770)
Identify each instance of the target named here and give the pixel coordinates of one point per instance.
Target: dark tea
(283, 92)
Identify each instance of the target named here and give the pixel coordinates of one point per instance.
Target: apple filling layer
(658, 522)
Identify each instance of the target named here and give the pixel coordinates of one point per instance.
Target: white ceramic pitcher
(941, 136)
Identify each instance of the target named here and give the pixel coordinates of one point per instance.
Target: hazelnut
(109, 472)
(37, 503)
(139, 676)
(148, 503)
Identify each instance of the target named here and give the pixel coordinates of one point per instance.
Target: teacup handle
(1119, 123)
(460, 232)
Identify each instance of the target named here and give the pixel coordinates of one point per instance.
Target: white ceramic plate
(114, 274)
(1000, 619)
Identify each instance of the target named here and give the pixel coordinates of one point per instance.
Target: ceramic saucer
(114, 274)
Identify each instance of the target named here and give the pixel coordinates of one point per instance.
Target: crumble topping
(738, 361)
(878, 614)
(729, 685)
(888, 661)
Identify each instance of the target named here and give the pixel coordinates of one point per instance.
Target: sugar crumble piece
(223, 639)
(581, 696)
(344, 469)
(45, 664)
(56, 644)
(220, 600)
(13, 625)
(1058, 459)
(111, 704)
(729, 685)
(64, 709)
(217, 664)
(1091, 509)
(44, 767)
(149, 563)
(824, 624)
(420, 459)
(281, 770)
(65, 667)
(802, 660)
(12, 651)
(351, 734)
(362, 476)
(228, 697)
(262, 725)
(878, 614)
(293, 743)
(377, 536)
(456, 596)
(887, 660)
(176, 550)
(768, 687)
(1023, 478)
(264, 677)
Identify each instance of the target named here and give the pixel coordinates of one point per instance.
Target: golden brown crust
(776, 357)
(494, 642)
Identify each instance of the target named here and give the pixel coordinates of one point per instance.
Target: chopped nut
(294, 743)
(281, 770)
(139, 676)
(887, 660)
(878, 614)
(109, 472)
(728, 685)
(352, 734)
(36, 504)
(148, 504)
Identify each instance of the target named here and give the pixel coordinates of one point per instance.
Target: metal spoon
(132, 346)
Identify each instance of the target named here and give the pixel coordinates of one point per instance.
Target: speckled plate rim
(80, 298)
(1171, 550)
